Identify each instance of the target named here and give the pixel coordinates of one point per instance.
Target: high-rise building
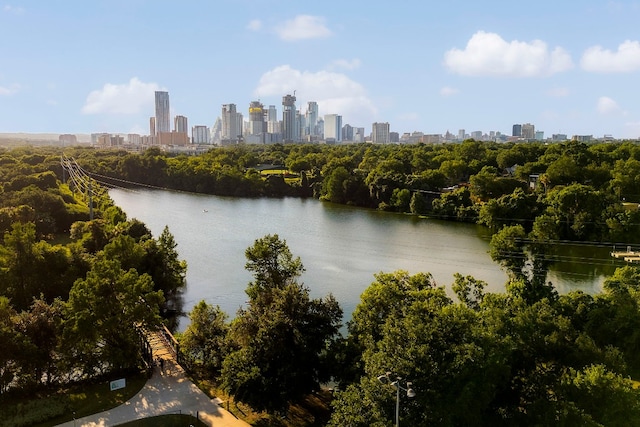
(380, 133)
(289, 133)
(257, 126)
(216, 131)
(347, 132)
(200, 135)
(333, 127)
(461, 134)
(517, 130)
(312, 119)
(163, 113)
(539, 135)
(358, 135)
(231, 124)
(180, 124)
(528, 131)
(152, 126)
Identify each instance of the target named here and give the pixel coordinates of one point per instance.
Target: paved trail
(170, 392)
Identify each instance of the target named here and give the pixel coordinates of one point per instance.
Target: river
(341, 247)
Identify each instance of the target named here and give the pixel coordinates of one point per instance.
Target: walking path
(168, 392)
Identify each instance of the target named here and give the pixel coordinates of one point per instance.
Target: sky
(569, 67)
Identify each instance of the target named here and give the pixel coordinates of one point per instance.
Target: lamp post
(386, 379)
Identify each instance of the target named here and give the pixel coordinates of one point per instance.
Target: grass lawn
(50, 408)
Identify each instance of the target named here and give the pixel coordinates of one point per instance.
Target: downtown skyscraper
(163, 113)
(289, 119)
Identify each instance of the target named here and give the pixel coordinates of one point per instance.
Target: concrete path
(170, 392)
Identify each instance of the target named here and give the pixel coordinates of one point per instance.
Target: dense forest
(74, 292)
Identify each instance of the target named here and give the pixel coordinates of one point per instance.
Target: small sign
(118, 384)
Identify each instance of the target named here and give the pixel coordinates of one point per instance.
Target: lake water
(341, 247)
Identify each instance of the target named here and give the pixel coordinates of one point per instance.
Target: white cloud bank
(128, 98)
(334, 92)
(488, 54)
(625, 60)
(303, 27)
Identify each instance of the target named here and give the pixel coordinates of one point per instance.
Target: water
(341, 247)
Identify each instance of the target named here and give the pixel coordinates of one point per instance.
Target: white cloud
(346, 64)
(449, 91)
(128, 98)
(303, 27)
(488, 54)
(334, 92)
(558, 92)
(13, 9)
(9, 90)
(626, 59)
(607, 105)
(254, 25)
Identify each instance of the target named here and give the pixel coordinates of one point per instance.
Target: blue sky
(92, 66)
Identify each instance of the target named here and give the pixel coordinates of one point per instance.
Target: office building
(380, 133)
(152, 126)
(358, 135)
(163, 113)
(231, 124)
(180, 124)
(528, 131)
(68, 139)
(134, 138)
(289, 118)
(200, 135)
(461, 134)
(311, 122)
(257, 125)
(347, 132)
(333, 127)
(517, 130)
(539, 135)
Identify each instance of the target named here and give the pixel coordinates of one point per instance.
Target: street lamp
(386, 379)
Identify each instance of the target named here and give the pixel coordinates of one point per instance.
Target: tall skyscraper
(289, 118)
(257, 128)
(231, 123)
(333, 127)
(152, 126)
(380, 133)
(163, 113)
(312, 119)
(180, 124)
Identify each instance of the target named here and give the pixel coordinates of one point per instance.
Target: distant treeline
(563, 191)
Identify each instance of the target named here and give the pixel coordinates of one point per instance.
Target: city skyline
(419, 66)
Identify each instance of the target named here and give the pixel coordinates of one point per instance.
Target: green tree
(104, 315)
(283, 338)
(418, 204)
(204, 340)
